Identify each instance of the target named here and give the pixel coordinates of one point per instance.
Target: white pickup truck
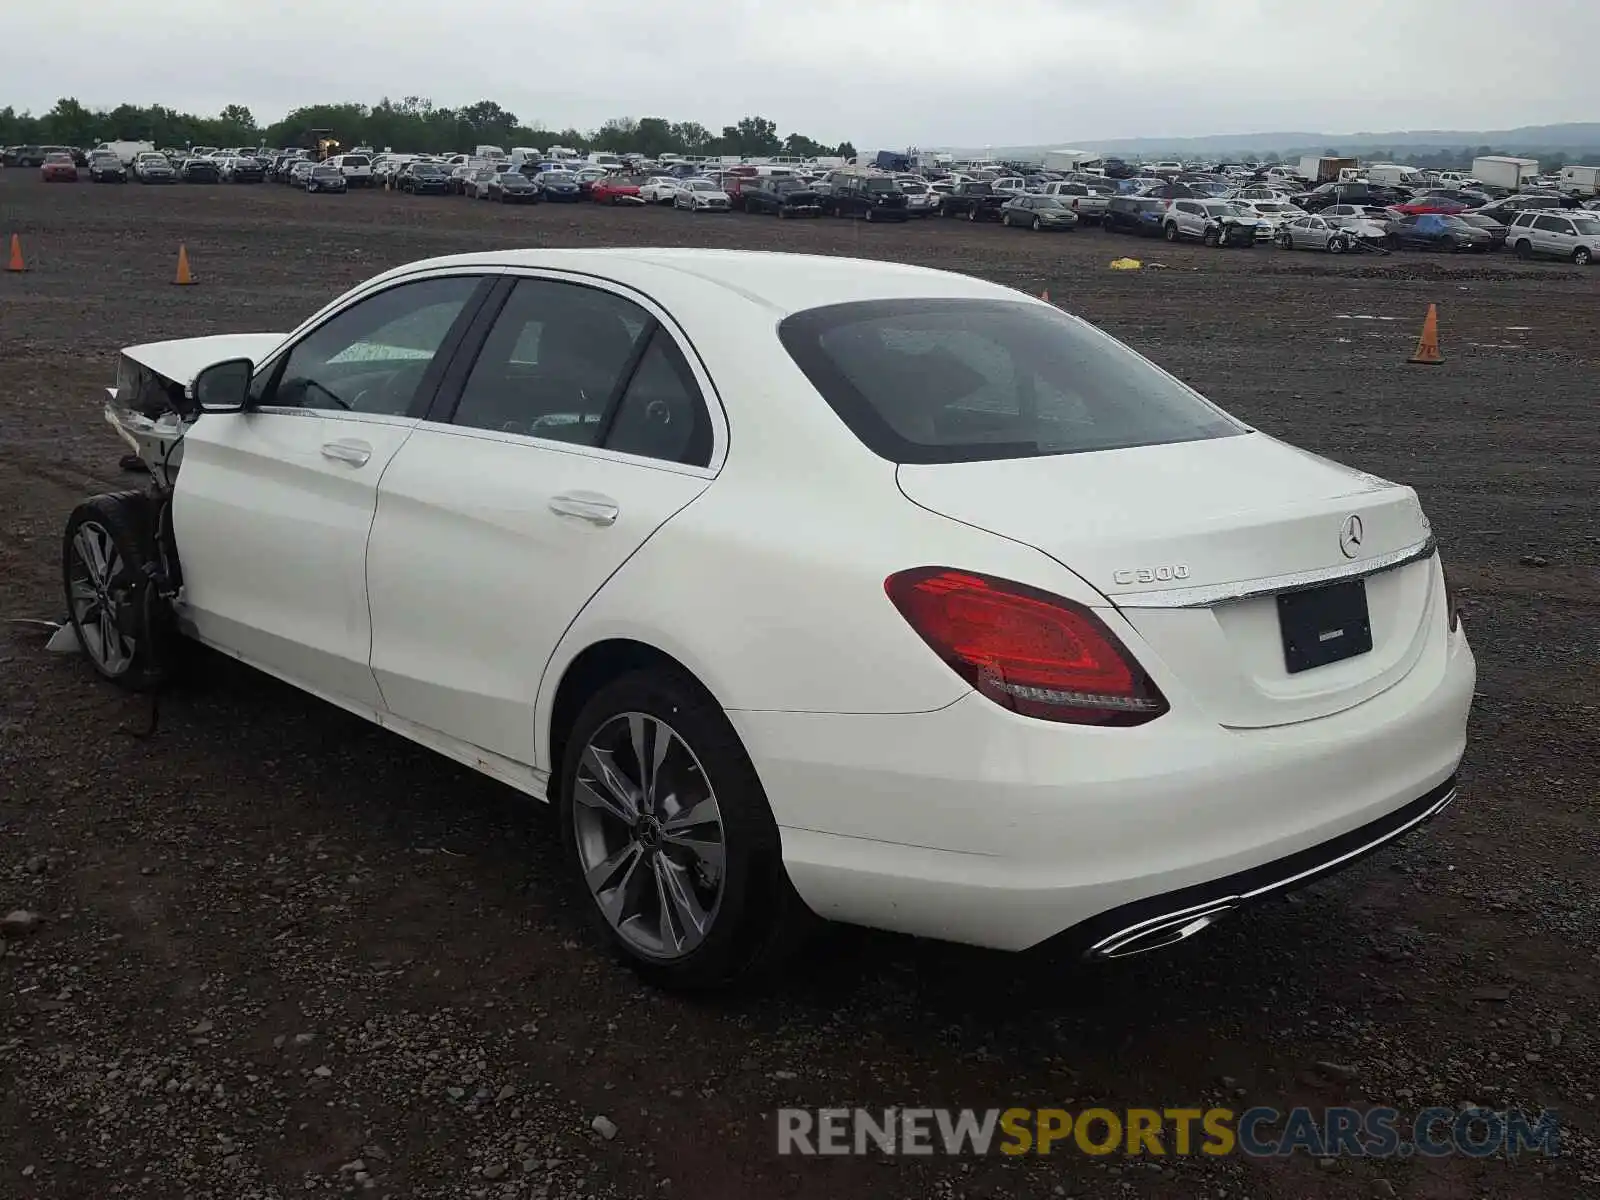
(356, 169)
(1088, 200)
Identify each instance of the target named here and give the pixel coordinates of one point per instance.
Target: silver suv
(1572, 236)
(1214, 222)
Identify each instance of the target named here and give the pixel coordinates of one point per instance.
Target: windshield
(700, 185)
(947, 380)
(1220, 210)
(882, 185)
(1047, 202)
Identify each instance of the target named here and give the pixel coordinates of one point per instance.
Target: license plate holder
(1324, 625)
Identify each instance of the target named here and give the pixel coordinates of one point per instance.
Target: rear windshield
(937, 380)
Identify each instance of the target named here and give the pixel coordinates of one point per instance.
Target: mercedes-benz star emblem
(1350, 536)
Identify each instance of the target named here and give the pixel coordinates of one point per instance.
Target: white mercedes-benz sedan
(802, 586)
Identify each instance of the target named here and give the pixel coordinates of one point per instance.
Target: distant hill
(1574, 139)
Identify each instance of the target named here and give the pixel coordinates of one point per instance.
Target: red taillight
(1035, 653)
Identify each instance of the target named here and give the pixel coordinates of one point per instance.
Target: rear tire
(123, 624)
(741, 915)
(1582, 256)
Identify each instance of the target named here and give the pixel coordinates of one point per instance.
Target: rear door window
(927, 381)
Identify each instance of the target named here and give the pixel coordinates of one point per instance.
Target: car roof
(783, 282)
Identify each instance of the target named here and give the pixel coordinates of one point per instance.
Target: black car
(421, 177)
(1505, 211)
(871, 197)
(559, 187)
(1038, 213)
(1435, 231)
(107, 168)
(324, 177)
(1370, 194)
(784, 197)
(1498, 231)
(200, 170)
(513, 187)
(976, 201)
(246, 170)
(1135, 214)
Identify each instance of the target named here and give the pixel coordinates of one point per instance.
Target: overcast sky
(881, 73)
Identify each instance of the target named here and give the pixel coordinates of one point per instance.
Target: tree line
(413, 124)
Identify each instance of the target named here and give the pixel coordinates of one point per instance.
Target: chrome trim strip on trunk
(1217, 593)
(1114, 945)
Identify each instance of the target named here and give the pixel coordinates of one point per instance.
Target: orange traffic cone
(184, 279)
(16, 263)
(1428, 345)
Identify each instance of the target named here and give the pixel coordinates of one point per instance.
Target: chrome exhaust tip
(1159, 933)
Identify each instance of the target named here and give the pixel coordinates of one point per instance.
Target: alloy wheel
(96, 564)
(649, 835)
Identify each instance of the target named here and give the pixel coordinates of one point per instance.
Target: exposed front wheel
(1038, 225)
(108, 554)
(1524, 249)
(670, 835)
(1336, 246)
(1583, 256)
(1172, 231)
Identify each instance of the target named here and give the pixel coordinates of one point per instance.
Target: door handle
(348, 450)
(586, 506)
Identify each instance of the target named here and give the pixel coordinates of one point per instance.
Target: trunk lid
(1157, 528)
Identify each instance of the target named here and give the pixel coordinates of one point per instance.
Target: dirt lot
(283, 952)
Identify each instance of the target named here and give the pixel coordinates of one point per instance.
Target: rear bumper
(972, 824)
(1160, 921)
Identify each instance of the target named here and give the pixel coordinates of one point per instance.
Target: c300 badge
(1162, 574)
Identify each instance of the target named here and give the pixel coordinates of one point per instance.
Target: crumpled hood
(181, 360)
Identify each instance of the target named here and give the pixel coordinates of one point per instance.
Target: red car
(59, 168)
(616, 189)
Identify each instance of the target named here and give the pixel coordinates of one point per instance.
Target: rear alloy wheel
(1582, 256)
(671, 835)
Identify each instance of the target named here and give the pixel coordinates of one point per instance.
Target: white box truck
(126, 151)
(1071, 160)
(1316, 168)
(1580, 181)
(1503, 171)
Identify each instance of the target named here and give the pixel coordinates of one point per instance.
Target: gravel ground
(275, 951)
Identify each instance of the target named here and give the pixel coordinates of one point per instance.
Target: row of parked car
(1213, 209)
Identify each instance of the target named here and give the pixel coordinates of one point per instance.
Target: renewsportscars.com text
(1153, 1132)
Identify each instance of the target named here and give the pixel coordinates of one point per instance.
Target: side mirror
(224, 387)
